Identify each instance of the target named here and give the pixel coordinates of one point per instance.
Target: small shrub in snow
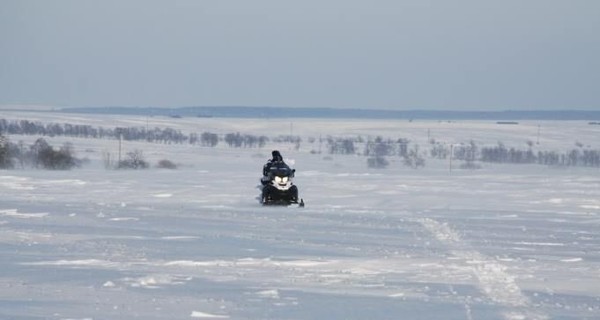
(166, 164)
(470, 165)
(135, 160)
(377, 162)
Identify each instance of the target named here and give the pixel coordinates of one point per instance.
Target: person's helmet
(276, 156)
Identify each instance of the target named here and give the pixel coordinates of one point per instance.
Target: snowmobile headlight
(281, 180)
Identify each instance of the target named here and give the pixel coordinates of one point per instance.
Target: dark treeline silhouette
(573, 158)
(500, 153)
(375, 149)
(26, 127)
(341, 145)
(155, 135)
(244, 140)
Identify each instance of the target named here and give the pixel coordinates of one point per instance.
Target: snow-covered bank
(503, 242)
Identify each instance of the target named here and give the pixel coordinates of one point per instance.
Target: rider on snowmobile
(276, 160)
(277, 186)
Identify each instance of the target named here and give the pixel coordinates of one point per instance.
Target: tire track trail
(494, 279)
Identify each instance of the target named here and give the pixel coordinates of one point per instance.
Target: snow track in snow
(494, 279)
(199, 314)
(16, 214)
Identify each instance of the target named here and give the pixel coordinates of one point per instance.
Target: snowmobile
(277, 186)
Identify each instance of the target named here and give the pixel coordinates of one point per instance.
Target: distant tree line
(245, 140)
(572, 158)
(155, 135)
(500, 153)
(378, 150)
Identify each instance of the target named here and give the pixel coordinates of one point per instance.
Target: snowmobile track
(494, 280)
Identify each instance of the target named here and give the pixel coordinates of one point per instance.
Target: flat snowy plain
(502, 242)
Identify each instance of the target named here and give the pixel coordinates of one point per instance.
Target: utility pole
(320, 142)
(451, 155)
(120, 143)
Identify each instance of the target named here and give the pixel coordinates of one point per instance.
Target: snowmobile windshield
(281, 171)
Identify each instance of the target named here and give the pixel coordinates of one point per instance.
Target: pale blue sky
(386, 54)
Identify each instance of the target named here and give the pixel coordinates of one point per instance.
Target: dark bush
(377, 162)
(44, 155)
(135, 160)
(6, 161)
(166, 164)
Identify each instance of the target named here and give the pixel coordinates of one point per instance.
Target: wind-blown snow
(503, 242)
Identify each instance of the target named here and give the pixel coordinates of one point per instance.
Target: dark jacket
(276, 160)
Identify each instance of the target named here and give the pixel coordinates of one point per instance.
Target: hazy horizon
(389, 55)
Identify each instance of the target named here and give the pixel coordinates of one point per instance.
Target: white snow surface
(502, 242)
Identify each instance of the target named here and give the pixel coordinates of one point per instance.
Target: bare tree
(414, 159)
(208, 139)
(134, 160)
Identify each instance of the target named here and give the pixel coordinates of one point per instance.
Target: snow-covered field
(503, 242)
